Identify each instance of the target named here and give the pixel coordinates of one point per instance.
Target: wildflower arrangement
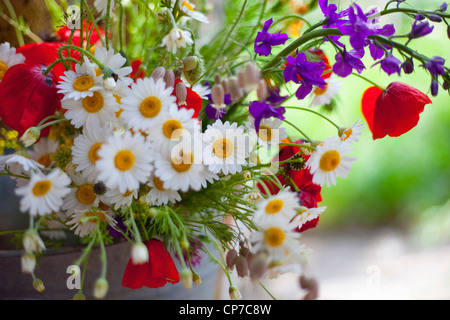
(134, 129)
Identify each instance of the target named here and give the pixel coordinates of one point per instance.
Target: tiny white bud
(28, 262)
(100, 288)
(110, 84)
(234, 293)
(32, 242)
(139, 253)
(30, 136)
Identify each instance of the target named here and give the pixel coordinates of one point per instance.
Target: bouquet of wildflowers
(130, 127)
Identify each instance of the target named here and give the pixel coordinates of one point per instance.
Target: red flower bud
(393, 111)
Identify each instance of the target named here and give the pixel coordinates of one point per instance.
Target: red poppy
(64, 34)
(28, 96)
(193, 100)
(393, 111)
(44, 53)
(157, 272)
(136, 73)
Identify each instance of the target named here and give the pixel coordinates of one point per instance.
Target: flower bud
(110, 84)
(197, 278)
(235, 88)
(408, 66)
(169, 78)
(217, 78)
(448, 32)
(32, 242)
(139, 253)
(158, 73)
(181, 93)
(234, 293)
(261, 90)
(218, 95)
(258, 265)
(100, 288)
(230, 258)
(79, 296)
(28, 262)
(246, 174)
(30, 136)
(434, 87)
(186, 278)
(226, 87)
(244, 251)
(242, 266)
(242, 79)
(190, 63)
(434, 18)
(310, 285)
(252, 74)
(38, 285)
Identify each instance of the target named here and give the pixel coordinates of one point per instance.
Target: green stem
(292, 16)
(52, 123)
(370, 81)
(102, 252)
(315, 112)
(85, 52)
(135, 227)
(268, 292)
(81, 28)
(12, 13)
(296, 128)
(108, 18)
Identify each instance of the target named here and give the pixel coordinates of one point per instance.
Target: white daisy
(321, 97)
(43, 150)
(254, 197)
(307, 214)
(102, 7)
(125, 161)
(85, 148)
(158, 194)
(44, 194)
(352, 133)
(146, 103)
(172, 127)
(82, 82)
(182, 171)
(176, 39)
(292, 263)
(329, 161)
(280, 243)
(201, 90)
(119, 200)
(84, 222)
(269, 133)
(280, 207)
(8, 58)
(81, 196)
(188, 8)
(99, 109)
(227, 147)
(19, 163)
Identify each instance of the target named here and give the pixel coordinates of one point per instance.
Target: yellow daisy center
(319, 91)
(274, 237)
(93, 152)
(150, 107)
(93, 104)
(45, 160)
(83, 83)
(187, 5)
(127, 194)
(3, 69)
(124, 160)
(183, 163)
(85, 194)
(158, 184)
(172, 129)
(41, 188)
(98, 72)
(265, 133)
(274, 206)
(96, 216)
(346, 134)
(330, 160)
(222, 148)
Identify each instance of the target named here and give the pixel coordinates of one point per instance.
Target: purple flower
(420, 29)
(308, 74)
(265, 41)
(390, 64)
(214, 113)
(347, 61)
(259, 110)
(435, 66)
(358, 27)
(443, 7)
(329, 11)
(408, 66)
(434, 87)
(274, 97)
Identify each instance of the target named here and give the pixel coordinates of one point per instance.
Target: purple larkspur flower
(274, 97)
(435, 66)
(347, 61)
(420, 29)
(332, 17)
(265, 41)
(390, 64)
(307, 73)
(259, 110)
(408, 66)
(358, 27)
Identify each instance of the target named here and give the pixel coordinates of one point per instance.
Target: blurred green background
(400, 182)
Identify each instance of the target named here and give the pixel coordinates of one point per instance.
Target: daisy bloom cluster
(141, 125)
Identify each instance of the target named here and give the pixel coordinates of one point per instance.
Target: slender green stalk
(370, 81)
(315, 112)
(12, 13)
(102, 251)
(296, 128)
(268, 292)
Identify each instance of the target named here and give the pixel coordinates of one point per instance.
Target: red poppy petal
(161, 263)
(368, 104)
(308, 225)
(135, 276)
